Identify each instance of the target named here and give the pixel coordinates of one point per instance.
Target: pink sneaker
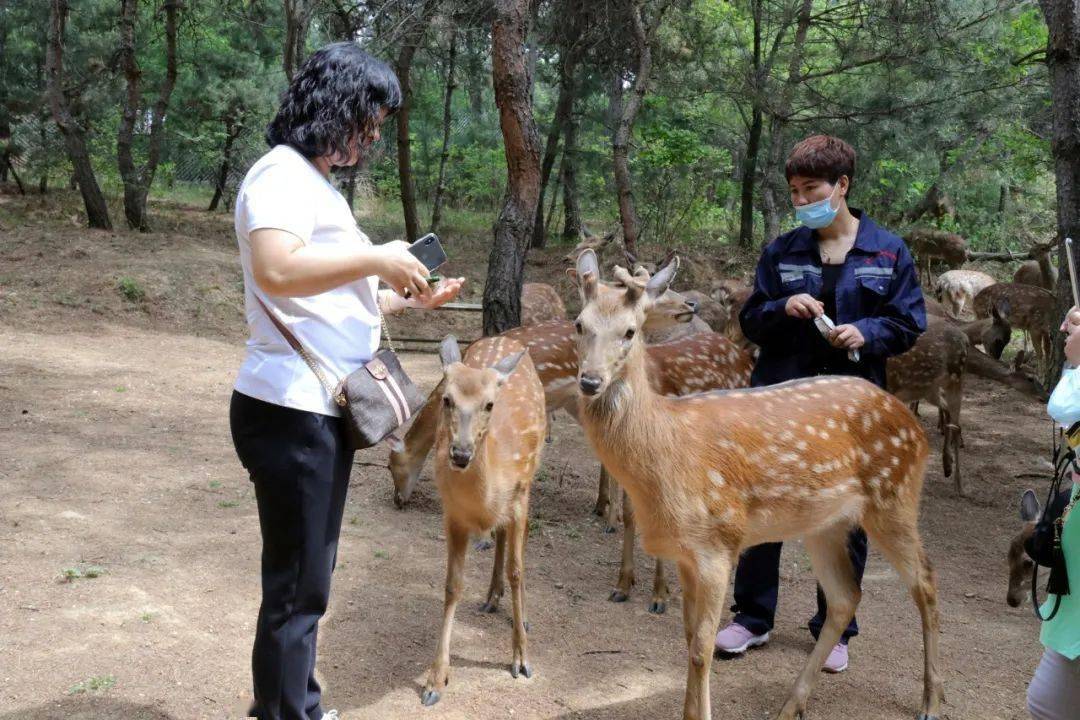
(735, 639)
(837, 661)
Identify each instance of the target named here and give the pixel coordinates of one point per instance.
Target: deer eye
(447, 402)
(629, 334)
(578, 328)
(490, 406)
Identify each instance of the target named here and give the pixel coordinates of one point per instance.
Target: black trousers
(299, 463)
(757, 584)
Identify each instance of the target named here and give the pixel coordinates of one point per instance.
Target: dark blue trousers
(300, 463)
(757, 583)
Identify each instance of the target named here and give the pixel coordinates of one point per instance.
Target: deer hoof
(429, 697)
(523, 668)
(400, 500)
(489, 607)
(609, 529)
(618, 596)
(485, 544)
(924, 716)
(658, 607)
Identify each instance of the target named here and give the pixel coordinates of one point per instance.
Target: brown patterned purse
(375, 399)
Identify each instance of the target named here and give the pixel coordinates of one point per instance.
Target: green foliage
(98, 683)
(131, 289)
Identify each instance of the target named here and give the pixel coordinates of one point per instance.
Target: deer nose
(589, 385)
(459, 456)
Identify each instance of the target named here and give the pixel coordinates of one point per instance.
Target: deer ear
(449, 351)
(1029, 506)
(658, 283)
(505, 367)
(397, 445)
(588, 271)
(1001, 310)
(572, 274)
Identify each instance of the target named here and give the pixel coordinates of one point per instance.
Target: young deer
(933, 370)
(490, 434)
(1039, 271)
(713, 473)
(928, 245)
(540, 303)
(958, 288)
(1020, 564)
(993, 333)
(1029, 308)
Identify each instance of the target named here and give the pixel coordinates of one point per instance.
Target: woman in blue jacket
(838, 263)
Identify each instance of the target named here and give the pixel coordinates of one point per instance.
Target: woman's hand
(400, 269)
(445, 291)
(847, 337)
(804, 306)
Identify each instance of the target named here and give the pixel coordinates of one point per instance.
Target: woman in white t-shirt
(306, 261)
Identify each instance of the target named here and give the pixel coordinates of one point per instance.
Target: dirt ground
(116, 470)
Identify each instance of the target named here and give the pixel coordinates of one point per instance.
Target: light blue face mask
(1064, 405)
(818, 214)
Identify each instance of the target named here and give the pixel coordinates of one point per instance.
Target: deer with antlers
(933, 370)
(702, 362)
(712, 473)
(490, 435)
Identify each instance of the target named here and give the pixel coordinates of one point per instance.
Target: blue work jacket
(877, 291)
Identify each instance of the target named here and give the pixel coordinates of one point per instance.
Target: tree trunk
(563, 107)
(631, 225)
(568, 174)
(444, 156)
(97, 212)
(753, 140)
(778, 121)
(297, 22)
(8, 165)
(474, 66)
(232, 131)
(513, 230)
(1063, 65)
(410, 42)
(137, 180)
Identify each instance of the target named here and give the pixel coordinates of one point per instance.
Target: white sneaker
(331, 715)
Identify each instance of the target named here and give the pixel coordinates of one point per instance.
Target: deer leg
(621, 593)
(616, 500)
(711, 572)
(602, 497)
(457, 539)
(898, 539)
(660, 590)
(518, 531)
(688, 581)
(496, 589)
(953, 435)
(831, 562)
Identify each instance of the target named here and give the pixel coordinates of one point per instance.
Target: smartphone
(429, 251)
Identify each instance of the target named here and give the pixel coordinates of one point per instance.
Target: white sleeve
(275, 198)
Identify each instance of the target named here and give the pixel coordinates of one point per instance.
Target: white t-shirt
(339, 328)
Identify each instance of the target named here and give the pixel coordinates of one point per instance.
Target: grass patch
(97, 683)
(146, 616)
(71, 574)
(131, 289)
(228, 503)
(215, 484)
(382, 554)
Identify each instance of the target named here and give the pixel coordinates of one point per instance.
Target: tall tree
(643, 32)
(97, 212)
(513, 230)
(297, 23)
(1063, 63)
(416, 22)
(137, 180)
(444, 156)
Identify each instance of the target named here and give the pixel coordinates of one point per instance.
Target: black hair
(336, 92)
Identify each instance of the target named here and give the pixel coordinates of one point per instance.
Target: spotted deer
(488, 443)
(702, 362)
(928, 244)
(956, 289)
(712, 473)
(933, 371)
(1039, 270)
(540, 303)
(1030, 308)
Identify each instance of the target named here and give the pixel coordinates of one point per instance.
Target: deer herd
(695, 462)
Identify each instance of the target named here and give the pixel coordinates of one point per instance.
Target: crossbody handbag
(375, 399)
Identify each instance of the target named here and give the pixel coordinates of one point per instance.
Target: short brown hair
(821, 156)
